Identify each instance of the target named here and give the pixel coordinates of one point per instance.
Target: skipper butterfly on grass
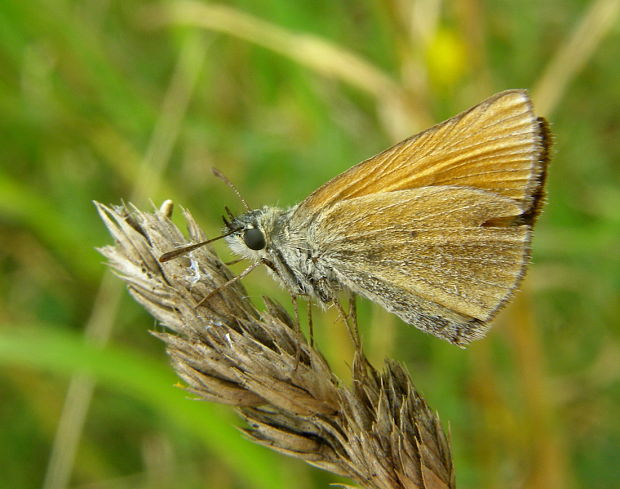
(435, 229)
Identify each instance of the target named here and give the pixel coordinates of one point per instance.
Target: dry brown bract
(379, 432)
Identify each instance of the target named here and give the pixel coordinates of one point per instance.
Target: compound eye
(254, 239)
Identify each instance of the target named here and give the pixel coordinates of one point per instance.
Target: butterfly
(436, 229)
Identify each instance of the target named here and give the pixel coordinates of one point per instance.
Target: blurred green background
(107, 100)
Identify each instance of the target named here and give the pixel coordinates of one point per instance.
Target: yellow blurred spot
(446, 58)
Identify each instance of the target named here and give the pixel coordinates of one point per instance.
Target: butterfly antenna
(186, 249)
(230, 214)
(231, 185)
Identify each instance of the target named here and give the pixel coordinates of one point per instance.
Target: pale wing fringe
(379, 432)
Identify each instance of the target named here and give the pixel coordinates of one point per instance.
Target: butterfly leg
(297, 324)
(226, 284)
(352, 314)
(295, 312)
(353, 311)
(297, 328)
(351, 324)
(310, 324)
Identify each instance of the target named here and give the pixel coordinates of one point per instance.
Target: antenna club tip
(222, 177)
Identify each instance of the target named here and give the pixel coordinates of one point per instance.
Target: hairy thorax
(290, 253)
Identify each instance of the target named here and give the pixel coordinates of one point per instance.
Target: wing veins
(385, 173)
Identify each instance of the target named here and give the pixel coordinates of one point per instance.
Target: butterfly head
(252, 232)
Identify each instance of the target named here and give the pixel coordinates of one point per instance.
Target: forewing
(498, 145)
(434, 255)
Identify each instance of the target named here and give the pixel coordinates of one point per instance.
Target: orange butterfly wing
(437, 228)
(499, 146)
(427, 255)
